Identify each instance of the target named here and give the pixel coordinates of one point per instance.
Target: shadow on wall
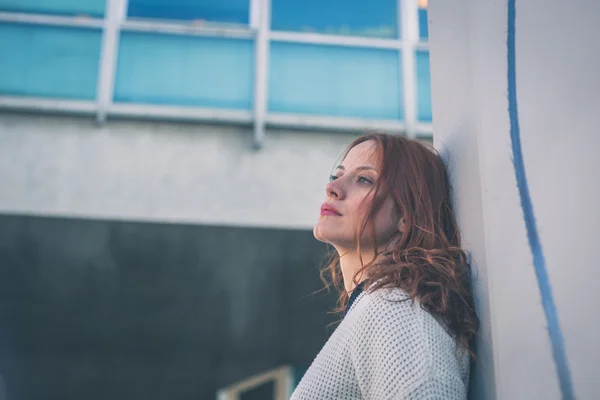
(121, 310)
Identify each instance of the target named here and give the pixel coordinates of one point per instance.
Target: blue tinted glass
(376, 18)
(335, 81)
(49, 61)
(423, 87)
(229, 11)
(184, 70)
(423, 28)
(93, 8)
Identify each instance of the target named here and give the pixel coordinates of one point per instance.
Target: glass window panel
(94, 8)
(49, 61)
(423, 28)
(335, 81)
(423, 87)
(185, 70)
(227, 11)
(376, 18)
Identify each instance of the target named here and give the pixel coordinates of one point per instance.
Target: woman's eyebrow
(358, 168)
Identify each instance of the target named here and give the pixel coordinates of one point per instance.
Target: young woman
(404, 279)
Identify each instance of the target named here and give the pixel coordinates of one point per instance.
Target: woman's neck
(350, 264)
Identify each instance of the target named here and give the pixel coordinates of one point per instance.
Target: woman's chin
(318, 234)
(327, 235)
(322, 232)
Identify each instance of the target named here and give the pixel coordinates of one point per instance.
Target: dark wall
(123, 310)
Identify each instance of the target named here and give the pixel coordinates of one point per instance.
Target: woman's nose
(334, 190)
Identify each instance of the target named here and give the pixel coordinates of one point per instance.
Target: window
(423, 87)
(323, 58)
(185, 70)
(335, 81)
(93, 8)
(49, 61)
(225, 11)
(376, 18)
(423, 28)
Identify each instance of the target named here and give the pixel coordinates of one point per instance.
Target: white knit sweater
(385, 349)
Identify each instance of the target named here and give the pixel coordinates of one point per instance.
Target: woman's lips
(327, 209)
(327, 212)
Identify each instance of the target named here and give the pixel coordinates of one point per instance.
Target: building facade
(296, 79)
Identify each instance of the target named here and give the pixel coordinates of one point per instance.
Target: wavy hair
(426, 259)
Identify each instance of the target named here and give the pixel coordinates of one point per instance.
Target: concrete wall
(159, 171)
(123, 310)
(558, 88)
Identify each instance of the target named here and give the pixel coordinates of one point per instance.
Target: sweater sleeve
(390, 352)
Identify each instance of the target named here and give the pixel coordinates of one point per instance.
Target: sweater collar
(354, 295)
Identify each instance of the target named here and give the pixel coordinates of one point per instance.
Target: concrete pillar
(558, 96)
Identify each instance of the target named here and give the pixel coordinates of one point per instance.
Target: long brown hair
(427, 260)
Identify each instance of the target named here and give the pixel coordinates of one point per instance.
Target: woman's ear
(402, 225)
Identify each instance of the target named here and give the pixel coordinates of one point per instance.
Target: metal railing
(282, 377)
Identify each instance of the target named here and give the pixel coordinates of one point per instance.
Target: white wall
(558, 86)
(456, 137)
(54, 165)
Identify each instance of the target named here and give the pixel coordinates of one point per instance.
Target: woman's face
(349, 199)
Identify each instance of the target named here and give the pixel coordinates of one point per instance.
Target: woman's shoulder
(388, 313)
(391, 315)
(392, 310)
(390, 300)
(390, 319)
(391, 332)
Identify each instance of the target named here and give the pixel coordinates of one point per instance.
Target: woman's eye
(362, 179)
(332, 178)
